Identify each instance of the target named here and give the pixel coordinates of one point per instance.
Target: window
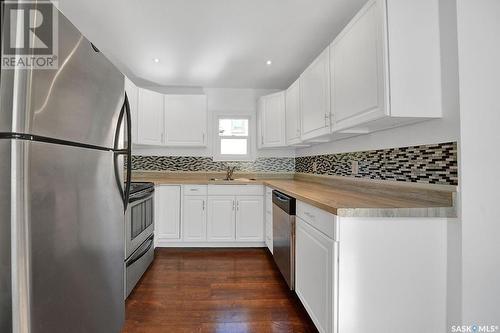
(233, 140)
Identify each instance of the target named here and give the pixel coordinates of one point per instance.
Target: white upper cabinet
(385, 66)
(272, 117)
(260, 108)
(292, 111)
(315, 98)
(150, 118)
(357, 68)
(133, 95)
(185, 120)
(168, 120)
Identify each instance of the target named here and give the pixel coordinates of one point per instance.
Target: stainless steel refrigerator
(63, 141)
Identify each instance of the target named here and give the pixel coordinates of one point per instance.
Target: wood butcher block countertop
(341, 196)
(361, 200)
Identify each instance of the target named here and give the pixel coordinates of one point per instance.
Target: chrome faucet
(229, 172)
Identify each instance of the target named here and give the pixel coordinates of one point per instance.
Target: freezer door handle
(125, 112)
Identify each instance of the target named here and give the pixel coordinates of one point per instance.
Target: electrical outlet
(315, 166)
(354, 168)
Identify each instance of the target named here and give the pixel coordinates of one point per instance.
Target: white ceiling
(211, 43)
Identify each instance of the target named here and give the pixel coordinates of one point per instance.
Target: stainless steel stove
(139, 242)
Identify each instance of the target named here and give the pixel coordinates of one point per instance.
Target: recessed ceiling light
(156, 60)
(269, 62)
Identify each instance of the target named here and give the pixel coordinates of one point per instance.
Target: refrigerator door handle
(125, 112)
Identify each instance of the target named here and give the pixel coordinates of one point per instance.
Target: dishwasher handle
(285, 202)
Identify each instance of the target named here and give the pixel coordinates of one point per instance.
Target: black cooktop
(139, 186)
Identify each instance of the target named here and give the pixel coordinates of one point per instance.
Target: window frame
(250, 155)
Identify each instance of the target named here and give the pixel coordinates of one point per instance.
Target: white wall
(434, 131)
(226, 101)
(479, 55)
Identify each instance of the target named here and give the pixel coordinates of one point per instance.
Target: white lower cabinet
(377, 275)
(249, 218)
(392, 275)
(221, 226)
(168, 212)
(314, 276)
(210, 215)
(235, 218)
(269, 218)
(194, 218)
(269, 231)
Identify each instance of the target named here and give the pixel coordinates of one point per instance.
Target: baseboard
(164, 243)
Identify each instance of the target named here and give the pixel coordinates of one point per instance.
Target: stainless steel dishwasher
(284, 236)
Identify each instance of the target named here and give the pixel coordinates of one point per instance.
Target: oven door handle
(142, 197)
(142, 253)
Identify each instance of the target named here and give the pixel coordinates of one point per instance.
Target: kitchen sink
(233, 180)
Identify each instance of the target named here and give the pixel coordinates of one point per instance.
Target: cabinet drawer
(235, 190)
(195, 189)
(318, 218)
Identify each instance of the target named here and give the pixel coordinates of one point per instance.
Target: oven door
(139, 220)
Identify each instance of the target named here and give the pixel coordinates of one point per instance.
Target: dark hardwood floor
(214, 290)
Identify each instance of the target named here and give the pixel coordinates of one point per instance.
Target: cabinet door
(268, 205)
(260, 111)
(194, 219)
(133, 96)
(168, 212)
(357, 69)
(315, 97)
(269, 232)
(249, 218)
(314, 271)
(221, 223)
(150, 118)
(186, 120)
(292, 111)
(273, 120)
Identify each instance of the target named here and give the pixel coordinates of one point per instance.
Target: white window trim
(250, 156)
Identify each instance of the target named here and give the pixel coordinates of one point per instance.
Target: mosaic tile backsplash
(433, 164)
(206, 164)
